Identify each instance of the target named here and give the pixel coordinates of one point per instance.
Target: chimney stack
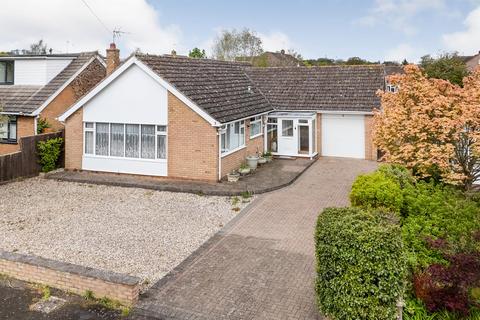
(113, 58)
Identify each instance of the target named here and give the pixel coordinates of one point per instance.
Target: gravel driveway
(133, 231)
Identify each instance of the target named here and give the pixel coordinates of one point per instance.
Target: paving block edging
(70, 277)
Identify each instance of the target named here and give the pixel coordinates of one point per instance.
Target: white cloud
(276, 41)
(69, 25)
(467, 41)
(399, 14)
(403, 51)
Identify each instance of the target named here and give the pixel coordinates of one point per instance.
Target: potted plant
(252, 162)
(268, 156)
(244, 169)
(262, 160)
(233, 176)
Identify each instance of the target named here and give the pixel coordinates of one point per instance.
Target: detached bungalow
(34, 87)
(198, 119)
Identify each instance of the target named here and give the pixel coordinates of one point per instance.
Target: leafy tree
(431, 126)
(448, 66)
(197, 53)
(38, 47)
(358, 61)
(231, 44)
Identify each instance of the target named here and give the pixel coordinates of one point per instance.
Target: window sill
(124, 158)
(8, 142)
(233, 151)
(256, 136)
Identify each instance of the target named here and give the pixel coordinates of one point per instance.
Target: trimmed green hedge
(360, 264)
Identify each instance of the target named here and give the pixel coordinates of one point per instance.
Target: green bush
(377, 190)
(49, 152)
(360, 264)
(398, 173)
(439, 219)
(42, 124)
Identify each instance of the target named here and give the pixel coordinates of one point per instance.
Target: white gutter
(219, 154)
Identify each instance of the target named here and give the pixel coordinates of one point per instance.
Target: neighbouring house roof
(328, 88)
(472, 62)
(220, 88)
(272, 59)
(26, 99)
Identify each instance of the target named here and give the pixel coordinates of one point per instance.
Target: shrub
(49, 152)
(440, 221)
(360, 264)
(398, 173)
(42, 124)
(448, 288)
(377, 190)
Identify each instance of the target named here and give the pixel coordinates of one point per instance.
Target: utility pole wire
(99, 20)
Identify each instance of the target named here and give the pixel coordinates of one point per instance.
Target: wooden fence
(24, 163)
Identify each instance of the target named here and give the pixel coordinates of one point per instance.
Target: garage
(343, 135)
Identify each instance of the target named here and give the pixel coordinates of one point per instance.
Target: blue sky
(337, 29)
(373, 29)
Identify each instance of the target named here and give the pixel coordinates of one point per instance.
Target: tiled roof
(332, 88)
(27, 99)
(220, 88)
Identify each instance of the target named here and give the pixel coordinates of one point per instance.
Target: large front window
(125, 140)
(232, 136)
(8, 129)
(6, 72)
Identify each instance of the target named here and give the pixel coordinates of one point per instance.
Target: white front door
(287, 137)
(343, 135)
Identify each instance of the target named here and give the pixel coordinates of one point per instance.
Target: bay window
(125, 140)
(255, 127)
(8, 129)
(232, 136)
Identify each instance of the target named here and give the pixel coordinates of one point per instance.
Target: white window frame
(223, 131)
(255, 120)
(157, 133)
(391, 88)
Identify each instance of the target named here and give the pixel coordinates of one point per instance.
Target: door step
(286, 157)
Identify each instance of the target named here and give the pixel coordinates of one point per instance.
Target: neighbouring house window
(101, 139)
(255, 127)
(89, 134)
(161, 142)
(6, 72)
(117, 140)
(132, 144)
(8, 129)
(392, 88)
(148, 142)
(287, 128)
(232, 136)
(125, 140)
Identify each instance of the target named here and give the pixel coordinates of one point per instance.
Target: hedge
(360, 264)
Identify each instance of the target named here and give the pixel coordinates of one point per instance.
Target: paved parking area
(261, 266)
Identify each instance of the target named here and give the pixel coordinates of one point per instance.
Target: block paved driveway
(262, 265)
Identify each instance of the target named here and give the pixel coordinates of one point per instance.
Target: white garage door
(343, 136)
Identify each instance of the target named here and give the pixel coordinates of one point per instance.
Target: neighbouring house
(37, 88)
(472, 62)
(198, 119)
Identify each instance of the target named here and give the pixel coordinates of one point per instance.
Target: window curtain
(132, 140)
(117, 142)
(148, 142)
(88, 142)
(101, 139)
(161, 147)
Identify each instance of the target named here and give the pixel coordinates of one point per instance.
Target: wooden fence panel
(24, 163)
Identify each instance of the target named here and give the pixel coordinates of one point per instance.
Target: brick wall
(25, 127)
(233, 161)
(70, 278)
(192, 143)
(74, 140)
(85, 81)
(370, 149)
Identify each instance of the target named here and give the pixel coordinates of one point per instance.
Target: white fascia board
(133, 60)
(53, 96)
